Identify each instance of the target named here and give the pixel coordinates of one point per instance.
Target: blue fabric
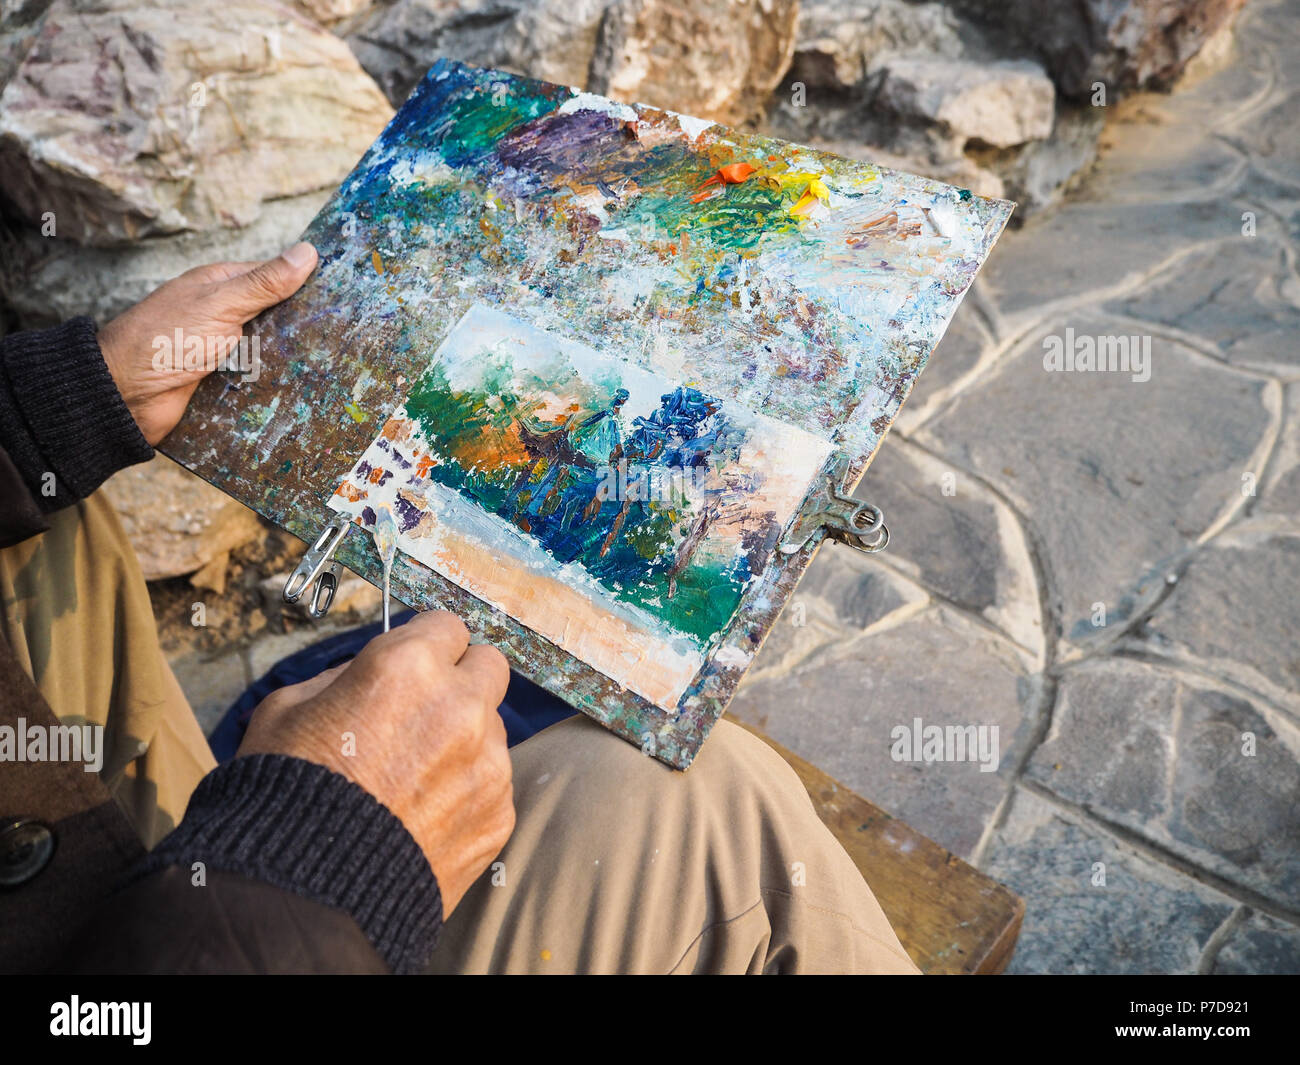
(527, 709)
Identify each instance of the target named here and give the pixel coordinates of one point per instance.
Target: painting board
(797, 292)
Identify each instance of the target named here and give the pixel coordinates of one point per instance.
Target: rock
(45, 280)
(205, 123)
(717, 59)
(953, 536)
(1143, 918)
(1260, 945)
(1113, 506)
(1125, 44)
(1000, 103)
(549, 39)
(1161, 753)
(358, 596)
(20, 22)
(919, 88)
(331, 12)
(1036, 174)
(838, 40)
(176, 522)
(838, 708)
(1204, 293)
(1236, 610)
(212, 575)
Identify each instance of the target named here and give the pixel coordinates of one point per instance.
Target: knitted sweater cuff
(65, 415)
(306, 829)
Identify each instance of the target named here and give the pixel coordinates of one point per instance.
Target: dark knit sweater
(279, 820)
(63, 424)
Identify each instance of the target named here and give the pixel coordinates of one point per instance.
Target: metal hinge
(318, 570)
(850, 521)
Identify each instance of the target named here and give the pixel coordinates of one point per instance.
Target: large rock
(715, 58)
(1125, 44)
(330, 12)
(549, 39)
(44, 280)
(839, 40)
(20, 22)
(718, 59)
(1001, 104)
(920, 87)
(176, 522)
(1036, 174)
(129, 119)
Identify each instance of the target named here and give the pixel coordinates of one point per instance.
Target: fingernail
(300, 255)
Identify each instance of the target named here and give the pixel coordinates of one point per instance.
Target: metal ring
(323, 595)
(861, 543)
(863, 529)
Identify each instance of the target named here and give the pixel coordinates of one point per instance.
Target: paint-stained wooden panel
(950, 917)
(779, 279)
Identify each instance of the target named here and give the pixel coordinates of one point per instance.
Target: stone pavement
(1106, 568)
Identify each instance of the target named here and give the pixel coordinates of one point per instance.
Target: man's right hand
(420, 704)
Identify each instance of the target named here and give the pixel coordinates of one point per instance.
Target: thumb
(270, 282)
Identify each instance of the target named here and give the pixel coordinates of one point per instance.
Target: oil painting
(524, 287)
(617, 513)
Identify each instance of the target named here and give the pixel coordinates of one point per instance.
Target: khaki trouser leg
(77, 614)
(619, 864)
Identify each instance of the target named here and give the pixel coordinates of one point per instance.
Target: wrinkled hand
(421, 703)
(207, 302)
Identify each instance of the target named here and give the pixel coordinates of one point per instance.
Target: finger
(248, 293)
(293, 694)
(216, 273)
(313, 686)
(487, 670)
(445, 631)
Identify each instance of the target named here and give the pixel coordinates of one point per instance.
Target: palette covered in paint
(596, 361)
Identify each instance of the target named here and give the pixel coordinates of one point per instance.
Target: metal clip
(319, 570)
(848, 520)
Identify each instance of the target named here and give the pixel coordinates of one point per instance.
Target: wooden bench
(950, 917)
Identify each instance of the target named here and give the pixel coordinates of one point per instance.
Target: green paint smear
(705, 595)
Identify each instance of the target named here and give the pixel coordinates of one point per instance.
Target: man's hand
(207, 302)
(421, 704)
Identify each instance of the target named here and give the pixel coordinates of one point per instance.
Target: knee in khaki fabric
(620, 864)
(77, 615)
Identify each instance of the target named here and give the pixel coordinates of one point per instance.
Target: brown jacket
(303, 871)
